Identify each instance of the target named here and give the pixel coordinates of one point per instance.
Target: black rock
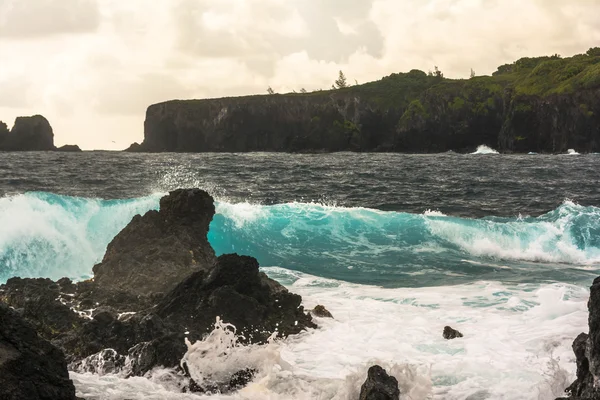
(30, 367)
(237, 292)
(127, 308)
(379, 386)
(321, 311)
(450, 333)
(27, 134)
(587, 351)
(153, 253)
(69, 148)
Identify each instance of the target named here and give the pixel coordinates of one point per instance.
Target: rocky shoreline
(160, 284)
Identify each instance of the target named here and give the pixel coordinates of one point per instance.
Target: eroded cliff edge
(544, 104)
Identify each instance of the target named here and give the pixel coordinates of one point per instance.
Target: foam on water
(517, 344)
(43, 234)
(572, 152)
(483, 149)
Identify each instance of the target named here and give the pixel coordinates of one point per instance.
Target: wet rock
(107, 361)
(155, 252)
(450, 333)
(237, 381)
(587, 352)
(30, 367)
(88, 318)
(379, 386)
(321, 311)
(237, 292)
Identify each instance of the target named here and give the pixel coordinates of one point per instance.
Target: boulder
(239, 294)
(379, 385)
(587, 352)
(30, 367)
(321, 312)
(450, 333)
(69, 148)
(28, 134)
(155, 252)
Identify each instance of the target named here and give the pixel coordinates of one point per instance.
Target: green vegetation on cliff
(543, 104)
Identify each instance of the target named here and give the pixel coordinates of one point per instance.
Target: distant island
(543, 105)
(30, 134)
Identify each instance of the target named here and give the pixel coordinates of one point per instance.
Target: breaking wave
(44, 234)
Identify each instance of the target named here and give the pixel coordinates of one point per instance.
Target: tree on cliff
(436, 72)
(270, 90)
(302, 90)
(341, 82)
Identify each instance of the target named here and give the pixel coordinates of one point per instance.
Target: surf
(49, 235)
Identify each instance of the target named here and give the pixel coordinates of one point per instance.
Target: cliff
(544, 104)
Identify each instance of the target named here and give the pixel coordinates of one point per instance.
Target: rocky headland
(158, 283)
(542, 105)
(30, 134)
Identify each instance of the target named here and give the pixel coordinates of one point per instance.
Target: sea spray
(212, 362)
(48, 235)
(517, 345)
(483, 149)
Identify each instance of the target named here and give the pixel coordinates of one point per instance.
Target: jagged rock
(135, 147)
(321, 311)
(450, 333)
(69, 148)
(587, 352)
(30, 367)
(379, 385)
(153, 253)
(89, 317)
(29, 133)
(237, 292)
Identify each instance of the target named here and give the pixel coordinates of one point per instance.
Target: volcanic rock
(450, 333)
(239, 294)
(587, 352)
(379, 385)
(321, 311)
(69, 148)
(155, 252)
(184, 289)
(30, 367)
(28, 133)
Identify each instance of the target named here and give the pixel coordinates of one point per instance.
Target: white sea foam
(572, 152)
(517, 345)
(483, 149)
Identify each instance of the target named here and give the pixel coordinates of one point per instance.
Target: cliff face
(545, 104)
(28, 133)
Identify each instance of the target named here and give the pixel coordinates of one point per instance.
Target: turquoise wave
(49, 235)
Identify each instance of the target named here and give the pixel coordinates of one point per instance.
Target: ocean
(500, 247)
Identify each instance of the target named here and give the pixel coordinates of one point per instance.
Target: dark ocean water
(368, 218)
(502, 247)
(459, 185)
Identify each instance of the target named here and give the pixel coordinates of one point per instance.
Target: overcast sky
(93, 66)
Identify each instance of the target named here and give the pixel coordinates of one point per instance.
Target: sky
(92, 67)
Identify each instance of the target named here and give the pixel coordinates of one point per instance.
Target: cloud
(30, 19)
(92, 66)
